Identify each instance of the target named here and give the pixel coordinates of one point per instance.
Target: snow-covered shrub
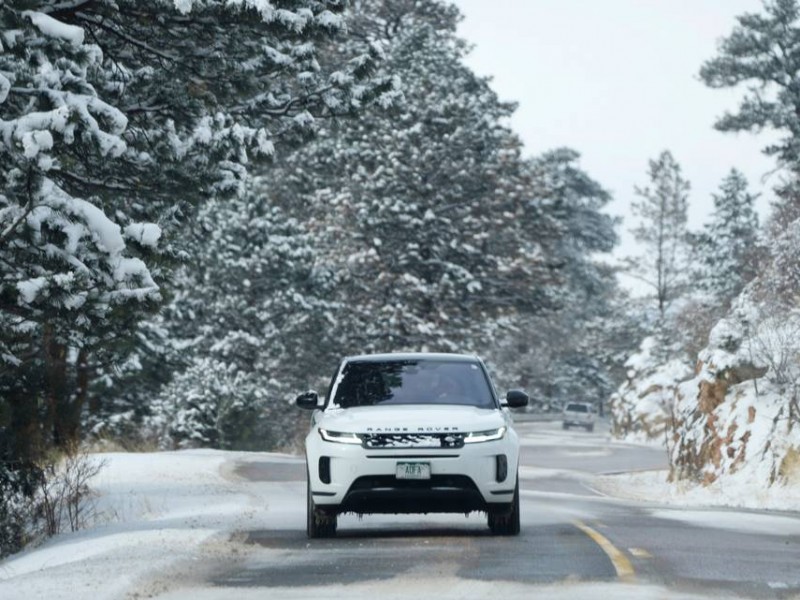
(642, 409)
(63, 499)
(191, 403)
(775, 344)
(15, 510)
(42, 500)
(213, 404)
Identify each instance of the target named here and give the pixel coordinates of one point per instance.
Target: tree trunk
(73, 403)
(55, 385)
(84, 376)
(26, 435)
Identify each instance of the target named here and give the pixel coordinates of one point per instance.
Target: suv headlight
(489, 435)
(340, 437)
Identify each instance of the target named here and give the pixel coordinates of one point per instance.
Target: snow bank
(444, 587)
(154, 513)
(655, 487)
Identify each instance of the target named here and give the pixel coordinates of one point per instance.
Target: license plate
(414, 470)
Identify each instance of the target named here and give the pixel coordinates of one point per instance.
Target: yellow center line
(621, 563)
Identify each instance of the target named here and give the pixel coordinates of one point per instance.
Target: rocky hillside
(734, 418)
(642, 408)
(738, 416)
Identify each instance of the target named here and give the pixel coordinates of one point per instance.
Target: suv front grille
(391, 441)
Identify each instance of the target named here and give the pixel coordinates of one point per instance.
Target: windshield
(577, 408)
(413, 382)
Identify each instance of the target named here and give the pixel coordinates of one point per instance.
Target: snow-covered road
(209, 524)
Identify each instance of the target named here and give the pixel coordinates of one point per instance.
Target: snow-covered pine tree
(747, 58)
(561, 354)
(70, 275)
(116, 117)
(642, 402)
(439, 234)
(726, 248)
(420, 227)
(761, 53)
(261, 304)
(662, 231)
(408, 228)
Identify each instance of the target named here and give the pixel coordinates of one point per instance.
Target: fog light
(325, 469)
(501, 464)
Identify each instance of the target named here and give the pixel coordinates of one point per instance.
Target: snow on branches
(117, 120)
(63, 258)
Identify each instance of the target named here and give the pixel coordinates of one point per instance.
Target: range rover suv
(412, 433)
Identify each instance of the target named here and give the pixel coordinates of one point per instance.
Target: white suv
(580, 414)
(412, 433)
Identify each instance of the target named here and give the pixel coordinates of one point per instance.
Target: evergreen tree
(402, 204)
(761, 52)
(418, 194)
(216, 404)
(561, 354)
(375, 235)
(260, 303)
(116, 118)
(417, 227)
(726, 247)
(662, 213)
(72, 277)
(777, 288)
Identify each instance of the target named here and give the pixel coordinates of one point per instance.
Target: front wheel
(506, 522)
(319, 522)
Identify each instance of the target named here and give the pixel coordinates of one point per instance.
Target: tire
(564, 426)
(506, 521)
(590, 428)
(320, 523)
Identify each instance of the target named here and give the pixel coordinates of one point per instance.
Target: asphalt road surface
(572, 535)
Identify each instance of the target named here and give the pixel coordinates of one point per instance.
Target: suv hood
(411, 418)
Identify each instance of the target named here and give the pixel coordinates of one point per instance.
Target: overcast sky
(617, 80)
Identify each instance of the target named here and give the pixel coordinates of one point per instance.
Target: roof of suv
(413, 356)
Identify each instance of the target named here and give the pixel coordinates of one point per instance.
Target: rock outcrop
(734, 418)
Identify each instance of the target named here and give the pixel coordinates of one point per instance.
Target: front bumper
(351, 478)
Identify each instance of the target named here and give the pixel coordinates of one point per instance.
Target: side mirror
(308, 400)
(516, 399)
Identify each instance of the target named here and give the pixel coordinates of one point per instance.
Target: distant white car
(412, 433)
(579, 414)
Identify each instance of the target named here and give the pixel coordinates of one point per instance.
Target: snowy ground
(167, 520)
(652, 486)
(157, 513)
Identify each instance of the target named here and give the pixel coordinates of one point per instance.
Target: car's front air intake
(377, 441)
